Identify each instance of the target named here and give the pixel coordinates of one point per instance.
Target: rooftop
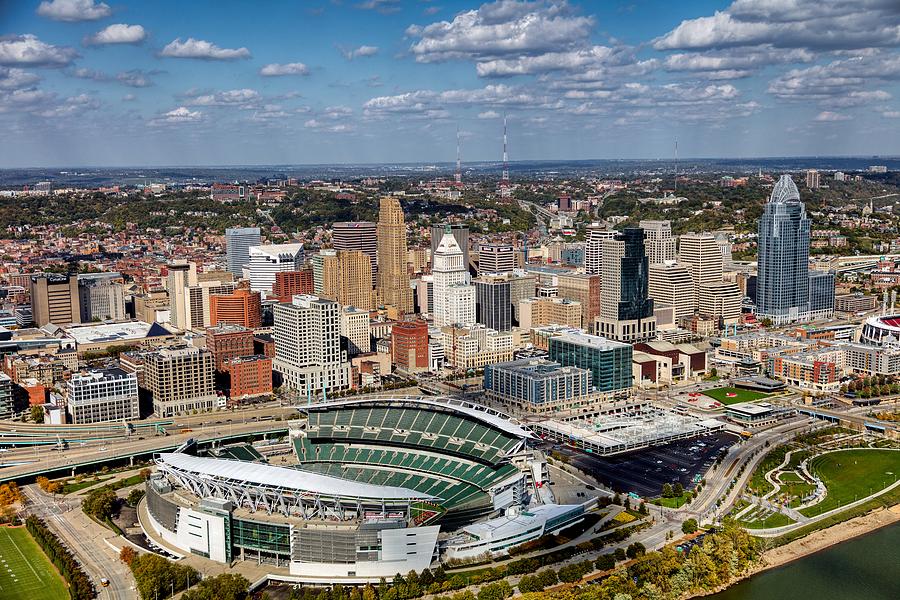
(592, 341)
(112, 332)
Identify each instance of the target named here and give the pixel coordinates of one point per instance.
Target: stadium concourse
(381, 486)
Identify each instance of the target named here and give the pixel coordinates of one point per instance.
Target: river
(864, 568)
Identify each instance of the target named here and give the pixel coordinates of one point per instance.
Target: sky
(175, 83)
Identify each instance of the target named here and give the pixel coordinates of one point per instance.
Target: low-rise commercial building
(101, 396)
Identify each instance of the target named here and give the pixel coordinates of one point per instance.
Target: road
(85, 538)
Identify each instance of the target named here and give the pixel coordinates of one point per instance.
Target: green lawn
(773, 520)
(720, 394)
(851, 475)
(676, 502)
(75, 486)
(25, 571)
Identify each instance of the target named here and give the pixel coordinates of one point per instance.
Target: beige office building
(180, 380)
(393, 276)
(700, 253)
(670, 284)
(538, 312)
(347, 279)
(54, 299)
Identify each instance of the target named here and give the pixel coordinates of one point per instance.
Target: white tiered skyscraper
(449, 271)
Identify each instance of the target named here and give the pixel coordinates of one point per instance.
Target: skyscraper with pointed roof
(393, 276)
(449, 271)
(782, 288)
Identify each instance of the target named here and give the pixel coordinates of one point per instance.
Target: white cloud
(278, 70)
(734, 64)
(182, 114)
(328, 126)
(118, 33)
(501, 29)
(70, 106)
(822, 24)
(826, 116)
(489, 114)
(16, 79)
(73, 10)
(360, 52)
(840, 83)
(385, 7)
(129, 98)
(242, 97)
(191, 48)
(28, 50)
(133, 78)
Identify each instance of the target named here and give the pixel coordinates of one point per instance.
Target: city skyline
(109, 84)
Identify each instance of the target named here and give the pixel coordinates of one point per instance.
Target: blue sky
(137, 83)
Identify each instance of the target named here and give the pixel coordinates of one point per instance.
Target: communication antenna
(458, 163)
(505, 176)
(676, 166)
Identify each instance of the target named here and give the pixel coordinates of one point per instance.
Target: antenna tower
(458, 163)
(505, 176)
(676, 166)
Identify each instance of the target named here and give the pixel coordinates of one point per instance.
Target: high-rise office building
(626, 310)
(409, 345)
(238, 241)
(101, 396)
(101, 297)
(812, 179)
(782, 286)
(585, 289)
(347, 279)
(496, 258)
(493, 308)
(670, 284)
(658, 241)
(308, 350)
(393, 276)
(181, 275)
(821, 295)
(538, 312)
(356, 330)
(291, 283)
(198, 304)
(267, 260)
(227, 341)
(608, 361)
(459, 308)
(722, 301)
(240, 307)
(593, 247)
(358, 235)
(180, 380)
(460, 233)
(521, 285)
(54, 299)
(700, 253)
(318, 269)
(448, 269)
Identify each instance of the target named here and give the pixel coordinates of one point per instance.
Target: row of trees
(159, 578)
(667, 575)
(51, 487)
(80, 586)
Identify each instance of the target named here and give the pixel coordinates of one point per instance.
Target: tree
(499, 590)
(37, 414)
(667, 490)
(635, 550)
(689, 526)
(619, 554)
(677, 490)
(227, 586)
(145, 474)
(127, 554)
(134, 496)
(100, 503)
(605, 562)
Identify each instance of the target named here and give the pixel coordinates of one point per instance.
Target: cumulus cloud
(119, 33)
(16, 79)
(133, 78)
(201, 49)
(501, 29)
(70, 106)
(328, 126)
(182, 114)
(28, 50)
(73, 10)
(826, 116)
(840, 82)
(241, 97)
(818, 24)
(279, 70)
(489, 114)
(385, 7)
(433, 104)
(734, 64)
(360, 52)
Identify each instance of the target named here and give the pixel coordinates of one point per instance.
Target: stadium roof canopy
(486, 415)
(283, 478)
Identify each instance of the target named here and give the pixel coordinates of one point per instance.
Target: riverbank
(816, 542)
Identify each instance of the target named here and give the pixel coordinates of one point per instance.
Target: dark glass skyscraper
(782, 288)
(626, 310)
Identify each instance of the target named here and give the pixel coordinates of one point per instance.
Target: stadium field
(721, 394)
(25, 572)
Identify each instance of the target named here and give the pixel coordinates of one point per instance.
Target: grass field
(721, 394)
(24, 570)
(852, 475)
(773, 520)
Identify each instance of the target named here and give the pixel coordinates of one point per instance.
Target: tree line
(80, 586)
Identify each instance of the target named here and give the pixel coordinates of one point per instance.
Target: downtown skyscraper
(783, 284)
(393, 276)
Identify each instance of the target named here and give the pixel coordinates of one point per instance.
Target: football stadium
(381, 486)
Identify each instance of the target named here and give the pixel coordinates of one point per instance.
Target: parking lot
(645, 471)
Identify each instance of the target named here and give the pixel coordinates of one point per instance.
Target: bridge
(860, 423)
